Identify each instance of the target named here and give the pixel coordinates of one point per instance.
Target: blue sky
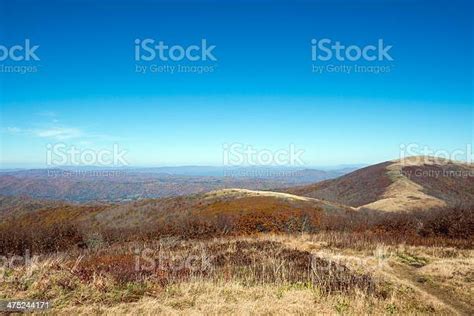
(262, 91)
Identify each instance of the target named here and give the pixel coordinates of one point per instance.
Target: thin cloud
(59, 133)
(13, 130)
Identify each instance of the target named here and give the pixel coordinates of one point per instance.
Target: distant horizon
(16, 166)
(313, 167)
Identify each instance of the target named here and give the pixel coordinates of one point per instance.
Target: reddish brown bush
(440, 227)
(38, 239)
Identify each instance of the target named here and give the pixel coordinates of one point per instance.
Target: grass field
(261, 274)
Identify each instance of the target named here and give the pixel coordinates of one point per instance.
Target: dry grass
(238, 193)
(269, 274)
(233, 298)
(454, 274)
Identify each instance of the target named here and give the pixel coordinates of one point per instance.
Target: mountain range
(109, 185)
(391, 186)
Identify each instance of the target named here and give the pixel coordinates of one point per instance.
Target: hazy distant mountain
(88, 184)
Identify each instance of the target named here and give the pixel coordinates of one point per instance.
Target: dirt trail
(408, 276)
(442, 295)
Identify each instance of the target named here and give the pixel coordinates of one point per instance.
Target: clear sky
(262, 91)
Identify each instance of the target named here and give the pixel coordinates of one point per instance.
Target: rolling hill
(414, 183)
(247, 210)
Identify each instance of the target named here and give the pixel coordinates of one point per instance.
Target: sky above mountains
(262, 89)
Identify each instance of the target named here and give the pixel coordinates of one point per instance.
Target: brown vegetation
(292, 274)
(252, 262)
(70, 229)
